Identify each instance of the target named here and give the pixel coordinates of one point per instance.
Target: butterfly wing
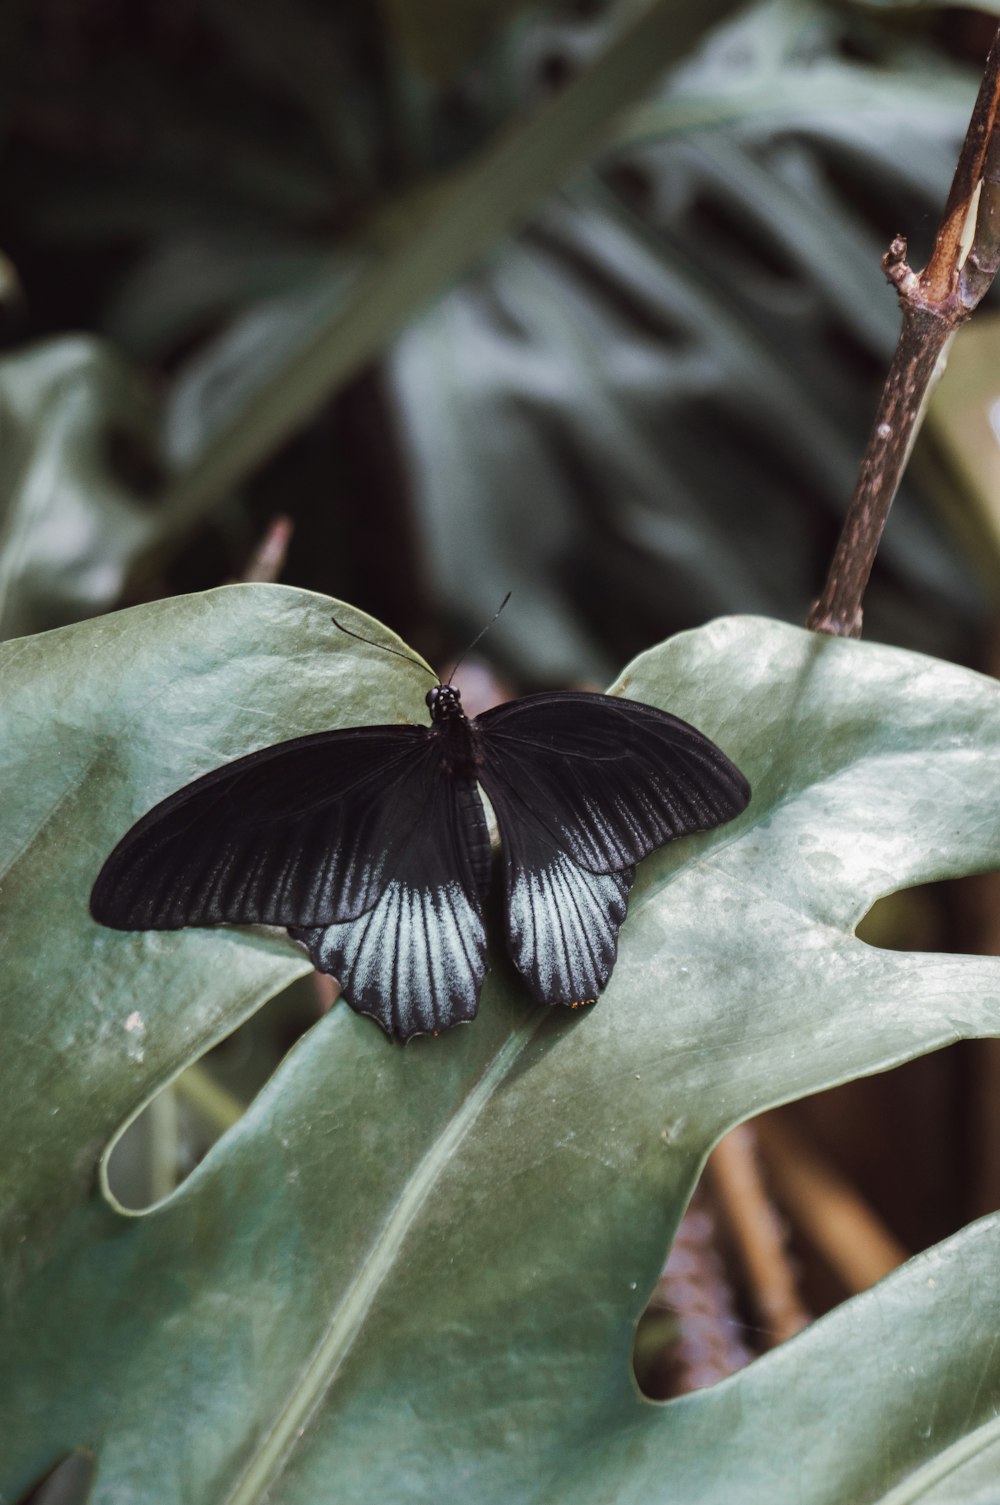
(297, 833)
(416, 960)
(584, 786)
(357, 840)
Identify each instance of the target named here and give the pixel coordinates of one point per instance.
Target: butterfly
(370, 845)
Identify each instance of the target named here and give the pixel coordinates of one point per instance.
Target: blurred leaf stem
(934, 302)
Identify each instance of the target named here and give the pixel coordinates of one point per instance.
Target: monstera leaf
(413, 1274)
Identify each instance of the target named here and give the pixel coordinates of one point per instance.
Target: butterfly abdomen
(458, 753)
(476, 833)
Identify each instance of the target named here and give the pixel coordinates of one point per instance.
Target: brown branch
(268, 559)
(757, 1235)
(326, 991)
(826, 1209)
(934, 302)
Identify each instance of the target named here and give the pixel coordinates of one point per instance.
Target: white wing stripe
(563, 927)
(422, 950)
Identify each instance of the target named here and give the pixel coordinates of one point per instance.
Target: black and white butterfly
(371, 845)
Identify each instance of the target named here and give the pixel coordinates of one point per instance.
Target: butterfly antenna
(479, 635)
(372, 644)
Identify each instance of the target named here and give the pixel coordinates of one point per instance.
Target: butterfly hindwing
(583, 787)
(416, 960)
(562, 921)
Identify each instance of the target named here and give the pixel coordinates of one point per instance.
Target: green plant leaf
(659, 390)
(69, 524)
(437, 36)
(482, 203)
(412, 1274)
(786, 59)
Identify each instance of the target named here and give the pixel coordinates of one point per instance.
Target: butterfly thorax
(445, 704)
(450, 726)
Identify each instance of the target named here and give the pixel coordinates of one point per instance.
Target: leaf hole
(812, 1203)
(809, 1205)
(941, 916)
(156, 1152)
(69, 1483)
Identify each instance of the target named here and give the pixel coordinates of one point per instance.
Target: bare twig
(757, 1235)
(826, 1209)
(268, 559)
(934, 303)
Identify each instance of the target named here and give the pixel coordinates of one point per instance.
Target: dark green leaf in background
(654, 399)
(75, 445)
(412, 1274)
(671, 369)
(488, 200)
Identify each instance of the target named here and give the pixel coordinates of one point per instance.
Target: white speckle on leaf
(136, 1028)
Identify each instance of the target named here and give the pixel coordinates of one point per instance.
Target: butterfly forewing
(610, 779)
(298, 833)
(583, 787)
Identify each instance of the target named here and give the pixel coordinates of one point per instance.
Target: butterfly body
(371, 846)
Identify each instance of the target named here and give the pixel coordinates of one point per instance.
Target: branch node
(898, 270)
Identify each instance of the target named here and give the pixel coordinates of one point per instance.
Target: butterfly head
(445, 703)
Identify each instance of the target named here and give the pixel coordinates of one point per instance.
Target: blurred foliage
(642, 410)
(75, 477)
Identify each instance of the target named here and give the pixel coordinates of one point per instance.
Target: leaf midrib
(274, 1448)
(916, 1485)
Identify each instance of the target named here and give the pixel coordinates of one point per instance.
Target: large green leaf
(412, 1274)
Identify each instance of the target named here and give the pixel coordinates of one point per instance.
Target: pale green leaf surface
(412, 1274)
(779, 59)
